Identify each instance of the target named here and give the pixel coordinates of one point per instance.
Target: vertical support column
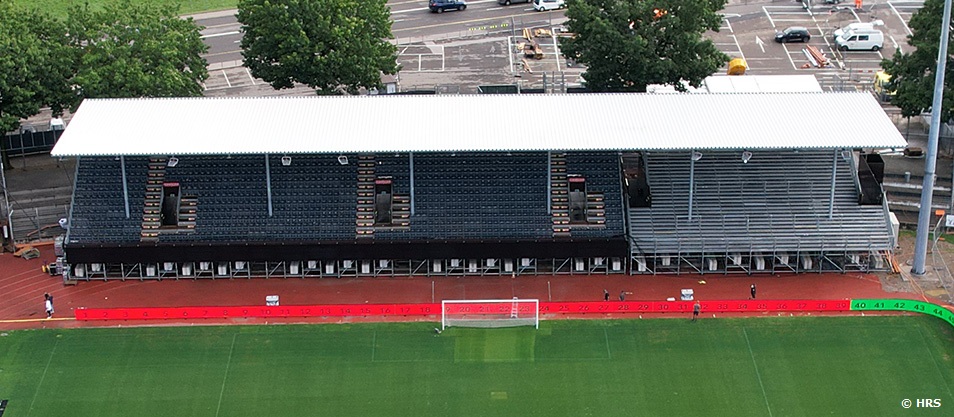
(930, 161)
(122, 164)
(692, 179)
(268, 184)
(831, 192)
(549, 184)
(410, 158)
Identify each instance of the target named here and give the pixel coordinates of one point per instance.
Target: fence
(29, 143)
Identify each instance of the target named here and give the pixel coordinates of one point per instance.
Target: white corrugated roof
(804, 83)
(457, 123)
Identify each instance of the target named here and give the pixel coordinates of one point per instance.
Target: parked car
(860, 39)
(439, 6)
(509, 2)
(793, 34)
(543, 5)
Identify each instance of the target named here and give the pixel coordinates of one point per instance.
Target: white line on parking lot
(230, 84)
(897, 45)
(740, 51)
(768, 15)
(902, 20)
(250, 76)
(789, 55)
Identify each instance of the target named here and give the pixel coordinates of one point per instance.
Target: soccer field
(665, 367)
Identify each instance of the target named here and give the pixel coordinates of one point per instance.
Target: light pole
(930, 161)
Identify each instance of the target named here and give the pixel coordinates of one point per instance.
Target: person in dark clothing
(753, 291)
(605, 295)
(622, 295)
(696, 308)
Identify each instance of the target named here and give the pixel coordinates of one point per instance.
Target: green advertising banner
(914, 306)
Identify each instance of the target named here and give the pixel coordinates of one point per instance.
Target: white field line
(226, 376)
(757, 374)
(43, 376)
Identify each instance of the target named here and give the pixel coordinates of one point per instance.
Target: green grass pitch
(665, 367)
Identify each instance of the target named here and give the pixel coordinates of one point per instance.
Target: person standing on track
(753, 291)
(48, 303)
(696, 308)
(605, 295)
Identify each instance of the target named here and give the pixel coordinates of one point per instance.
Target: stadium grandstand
(477, 185)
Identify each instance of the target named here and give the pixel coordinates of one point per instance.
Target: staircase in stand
(187, 212)
(365, 209)
(152, 206)
(559, 195)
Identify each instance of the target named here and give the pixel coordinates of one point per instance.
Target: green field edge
(897, 304)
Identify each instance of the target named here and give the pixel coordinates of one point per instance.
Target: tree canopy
(136, 49)
(124, 49)
(912, 74)
(333, 46)
(34, 64)
(629, 44)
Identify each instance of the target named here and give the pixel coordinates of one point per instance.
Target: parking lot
(497, 57)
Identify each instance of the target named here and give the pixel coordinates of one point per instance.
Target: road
(413, 22)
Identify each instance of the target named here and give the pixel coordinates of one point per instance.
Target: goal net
(490, 313)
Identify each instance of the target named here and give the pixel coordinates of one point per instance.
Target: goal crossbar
(490, 313)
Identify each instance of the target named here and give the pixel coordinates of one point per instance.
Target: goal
(490, 313)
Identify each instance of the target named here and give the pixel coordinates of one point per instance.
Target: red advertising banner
(721, 306)
(385, 310)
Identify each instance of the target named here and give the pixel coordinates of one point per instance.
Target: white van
(543, 5)
(856, 26)
(860, 40)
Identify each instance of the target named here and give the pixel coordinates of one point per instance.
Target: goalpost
(490, 313)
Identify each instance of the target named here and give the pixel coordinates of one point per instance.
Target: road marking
(742, 53)
(216, 35)
(250, 76)
(726, 20)
(758, 41)
(789, 55)
(896, 44)
(43, 376)
(428, 8)
(226, 376)
(757, 374)
(226, 78)
(769, 16)
(462, 22)
(905, 23)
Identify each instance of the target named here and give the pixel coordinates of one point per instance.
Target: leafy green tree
(136, 49)
(629, 44)
(35, 63)
(333, 46)
(912, 74)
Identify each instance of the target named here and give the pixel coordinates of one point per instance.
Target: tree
(912, 74)
(629, 44)
(333, 46)
(34, 64)
(136, 49)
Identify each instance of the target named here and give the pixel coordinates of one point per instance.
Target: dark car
(793, 34)
(508, 2)
(438, 6)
